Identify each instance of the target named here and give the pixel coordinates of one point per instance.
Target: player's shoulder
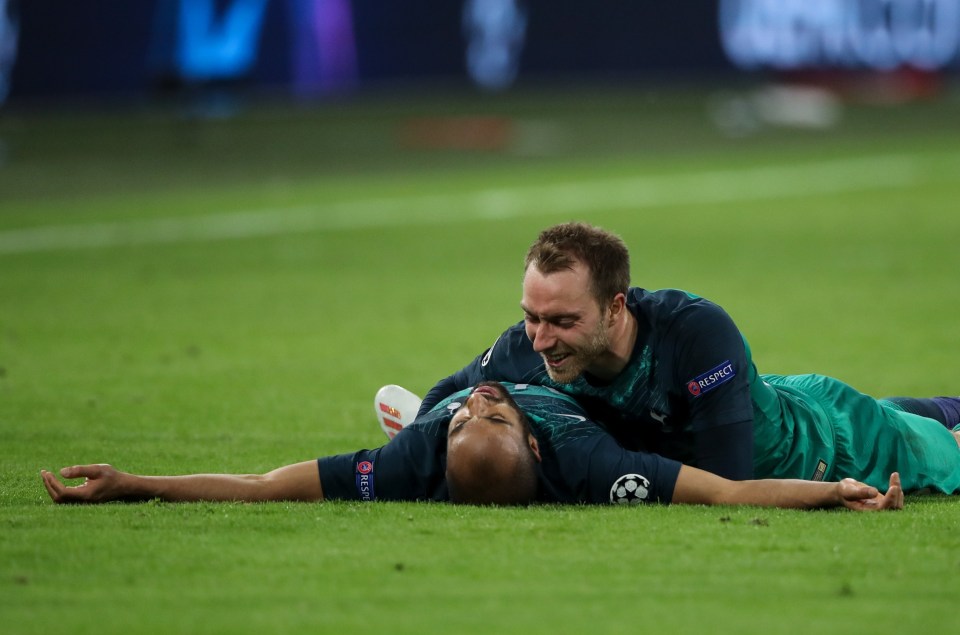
(666, 300)
(512, 358)
(515, 337)
(662, 307)
(666, 303)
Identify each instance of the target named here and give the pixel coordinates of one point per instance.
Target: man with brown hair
(670, 373)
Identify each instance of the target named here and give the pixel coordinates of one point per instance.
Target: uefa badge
(630, 489)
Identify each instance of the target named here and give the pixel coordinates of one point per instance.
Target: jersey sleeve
(711, 372)
(409, 468)
(710, 368)
(596, 470)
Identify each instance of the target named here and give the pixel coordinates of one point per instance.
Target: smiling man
(492, 444)
(669, 372)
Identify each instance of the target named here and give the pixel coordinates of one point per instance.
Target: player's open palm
(860, 497)
(101, 483)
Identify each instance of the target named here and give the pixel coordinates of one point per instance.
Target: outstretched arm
(699, 487)
(446, 387)
(103, 483)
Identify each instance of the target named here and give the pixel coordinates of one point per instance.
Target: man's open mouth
(556, 360)
(489, 391)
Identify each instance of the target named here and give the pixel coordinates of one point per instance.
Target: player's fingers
(866, 491)
(895, 493)
(71, 472)
(50, 491)
(69, 494)
(53, 486)
(895, 480)
(859, 491)
(893, 499)
(82, 471)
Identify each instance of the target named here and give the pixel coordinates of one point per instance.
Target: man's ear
(617, 307)
(532, 440)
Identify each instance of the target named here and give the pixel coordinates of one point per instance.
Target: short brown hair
(604, 254)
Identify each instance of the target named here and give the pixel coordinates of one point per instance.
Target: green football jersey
(818, 428)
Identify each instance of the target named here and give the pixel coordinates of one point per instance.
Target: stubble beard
(577, 363)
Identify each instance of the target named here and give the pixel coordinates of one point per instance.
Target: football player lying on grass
(492, 444)
(670, 372)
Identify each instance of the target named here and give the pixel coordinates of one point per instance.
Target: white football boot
(396, 408)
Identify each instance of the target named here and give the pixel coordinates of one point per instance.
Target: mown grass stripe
(652, 191)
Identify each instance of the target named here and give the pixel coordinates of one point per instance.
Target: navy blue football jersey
(685, 392)
(581, 463)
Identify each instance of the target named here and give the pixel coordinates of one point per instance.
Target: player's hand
(101, 483)
(859, 497)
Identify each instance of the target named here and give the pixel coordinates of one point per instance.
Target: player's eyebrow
(551, 316)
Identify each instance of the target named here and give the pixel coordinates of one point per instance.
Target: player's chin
(564, 375)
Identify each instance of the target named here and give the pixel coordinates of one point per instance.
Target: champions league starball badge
(630, 489)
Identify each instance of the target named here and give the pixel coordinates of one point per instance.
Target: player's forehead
(558, 293)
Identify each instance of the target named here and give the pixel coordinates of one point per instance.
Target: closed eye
(494, 418)
(560, 321)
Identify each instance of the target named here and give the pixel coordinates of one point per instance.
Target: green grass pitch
(184, 295)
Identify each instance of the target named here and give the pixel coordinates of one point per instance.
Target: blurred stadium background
(105, 96)
(211, 51)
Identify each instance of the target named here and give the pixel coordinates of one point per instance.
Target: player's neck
(623, 337)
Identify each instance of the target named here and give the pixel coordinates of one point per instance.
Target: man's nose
(543, 338)
(475, 404)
